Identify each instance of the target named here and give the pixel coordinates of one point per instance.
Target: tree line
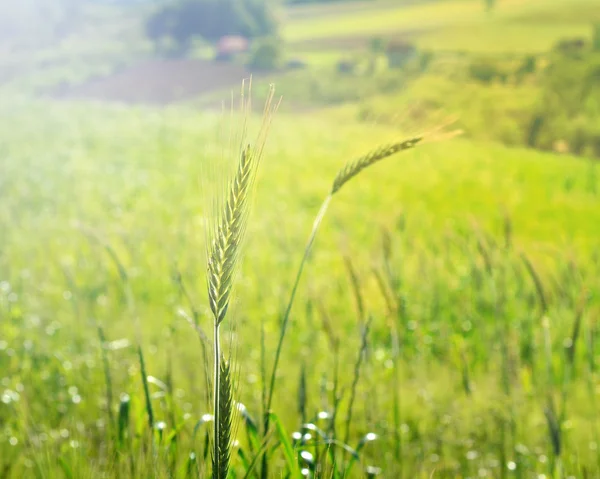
(175, 25)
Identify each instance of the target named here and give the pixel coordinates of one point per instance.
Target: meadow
(446, 322)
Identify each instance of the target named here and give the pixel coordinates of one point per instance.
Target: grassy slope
(515, 25)
(135, 173)
(497, 176)
(132, 176)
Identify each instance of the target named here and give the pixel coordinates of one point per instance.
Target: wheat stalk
(225, 419)
(349, 171)
(222, 260)
(357, 367)
(225, 239)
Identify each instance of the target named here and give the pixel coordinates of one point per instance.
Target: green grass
(452, 25)
(132, 176)
(381, 21)
(496, 112)
(474, 265)
(502, 37)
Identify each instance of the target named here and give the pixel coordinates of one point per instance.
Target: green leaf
(288, 450)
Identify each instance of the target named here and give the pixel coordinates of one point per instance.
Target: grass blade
(288, 449)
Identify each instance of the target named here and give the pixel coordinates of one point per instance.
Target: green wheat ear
(225, 239)
(355, 167)
(224, 252)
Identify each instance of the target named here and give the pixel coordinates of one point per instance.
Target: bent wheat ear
(355, 167)
(344, 175)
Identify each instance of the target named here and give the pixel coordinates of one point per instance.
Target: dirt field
(157, 82)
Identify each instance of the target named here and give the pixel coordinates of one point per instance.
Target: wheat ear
(353, 168)
(222, 258)
(349, 171)
(224, 252)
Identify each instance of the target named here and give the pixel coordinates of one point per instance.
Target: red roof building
(231, 45)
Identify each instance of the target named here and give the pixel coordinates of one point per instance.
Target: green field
(516, 25)
(447, 321)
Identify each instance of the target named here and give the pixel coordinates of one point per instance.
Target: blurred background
(516, 72)
(447, 322)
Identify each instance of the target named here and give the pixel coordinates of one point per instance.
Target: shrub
(585, 137)
(569, 106)
(574, 47)
(527, 67)
(346, 67)
(295, 64)
(486, 71)
(425, 59)
(266, 55)
(399, 53)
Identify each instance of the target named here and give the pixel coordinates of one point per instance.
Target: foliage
(399, 53)
(569, 107)
(527, 67)
(519, 101)
(486, 70)
(347, 84)
(266, 55)
(210, 20)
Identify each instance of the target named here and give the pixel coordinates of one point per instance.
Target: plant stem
(107, 379)
(146, 389)
(285, 321)
(216, 398)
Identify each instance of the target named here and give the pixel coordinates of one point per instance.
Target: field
(525, 26)
(157, 82)
(446, 322)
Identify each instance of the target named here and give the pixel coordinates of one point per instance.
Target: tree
(569, 106)
(210, 20)
(267, 55)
